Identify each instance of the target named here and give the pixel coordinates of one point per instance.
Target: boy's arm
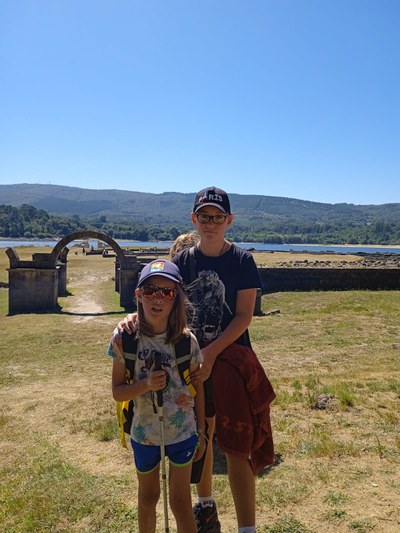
(199, 404)
(199, 409)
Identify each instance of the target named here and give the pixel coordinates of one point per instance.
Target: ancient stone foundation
(329, 279)
(32, 288)
(35, 285)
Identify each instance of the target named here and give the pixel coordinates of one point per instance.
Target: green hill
(129, 214)
(173, 207)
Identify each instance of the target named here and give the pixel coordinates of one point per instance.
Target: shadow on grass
(278, 460)
(220, 466)
(70, 313)
(59, 311)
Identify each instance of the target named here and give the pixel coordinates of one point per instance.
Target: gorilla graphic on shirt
(207, 294)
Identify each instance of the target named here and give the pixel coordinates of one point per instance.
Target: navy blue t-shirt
(213, 290)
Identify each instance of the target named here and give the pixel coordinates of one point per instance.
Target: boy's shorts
(147, 457)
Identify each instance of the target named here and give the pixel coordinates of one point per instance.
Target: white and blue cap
(160, 267)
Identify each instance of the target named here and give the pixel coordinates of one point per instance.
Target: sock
(247, 529)
(206, 501)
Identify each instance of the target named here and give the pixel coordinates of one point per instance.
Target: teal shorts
(148, 457)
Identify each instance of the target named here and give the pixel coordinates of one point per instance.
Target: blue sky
(294, 98)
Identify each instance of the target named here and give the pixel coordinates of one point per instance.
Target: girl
(162, 322)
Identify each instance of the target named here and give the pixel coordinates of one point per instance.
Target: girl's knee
(148, 499)
(178, 501)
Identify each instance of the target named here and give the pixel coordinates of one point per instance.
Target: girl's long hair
(177, 320)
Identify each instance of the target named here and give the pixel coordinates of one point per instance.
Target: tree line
(28, 222)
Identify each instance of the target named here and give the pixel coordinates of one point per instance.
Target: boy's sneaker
(206, 518)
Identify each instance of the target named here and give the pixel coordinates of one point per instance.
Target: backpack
(129, 347)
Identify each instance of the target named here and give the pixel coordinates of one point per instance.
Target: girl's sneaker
(206, 518)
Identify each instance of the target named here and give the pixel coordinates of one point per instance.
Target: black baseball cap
(212, 196)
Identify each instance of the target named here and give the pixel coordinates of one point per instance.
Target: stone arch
(127, 265)
(35, 285)
(13, 257)
(77, 235)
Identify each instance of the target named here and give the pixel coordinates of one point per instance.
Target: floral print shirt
(179, 417)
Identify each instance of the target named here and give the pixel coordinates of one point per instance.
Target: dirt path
(82, 302)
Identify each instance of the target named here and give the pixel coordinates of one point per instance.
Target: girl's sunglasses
(151, 291)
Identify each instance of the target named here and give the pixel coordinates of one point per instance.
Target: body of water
(248, 246)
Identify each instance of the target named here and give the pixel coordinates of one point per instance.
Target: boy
(223, 293)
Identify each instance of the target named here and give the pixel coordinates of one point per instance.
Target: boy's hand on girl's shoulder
(206, 366)
(195, 376)
(128, 324)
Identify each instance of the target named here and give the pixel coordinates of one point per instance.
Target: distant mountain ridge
(174, 207)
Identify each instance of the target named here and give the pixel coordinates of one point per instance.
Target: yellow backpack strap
(125, 408)
(183, 357)
(188, 381)
(122, 408)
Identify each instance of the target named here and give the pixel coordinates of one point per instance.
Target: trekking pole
(160, 404)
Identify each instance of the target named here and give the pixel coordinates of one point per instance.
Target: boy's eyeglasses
(205, 219)
(151, 291)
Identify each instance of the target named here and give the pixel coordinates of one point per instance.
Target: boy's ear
(230, 219)
(138, 294)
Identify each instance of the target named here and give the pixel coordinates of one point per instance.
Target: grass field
(337, 469)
